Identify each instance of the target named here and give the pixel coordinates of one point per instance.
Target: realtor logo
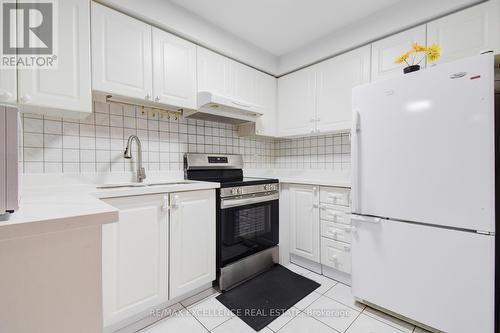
(28, 37)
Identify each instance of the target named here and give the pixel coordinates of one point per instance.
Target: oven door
(248, 224)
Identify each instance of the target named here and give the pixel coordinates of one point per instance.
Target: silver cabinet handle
(157, 98)
(174, 203)
(164, 203)
(25, 99)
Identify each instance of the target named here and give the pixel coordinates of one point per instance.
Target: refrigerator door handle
(355, 163)
(365, 219)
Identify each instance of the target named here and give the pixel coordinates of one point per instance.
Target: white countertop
(306, 177)
(53, 203)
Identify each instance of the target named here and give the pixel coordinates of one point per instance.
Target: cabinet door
(304, 222)
(68, 86)
(192, 240)
(8, 85)
(336, 78)
(135, 257)
(213, 72)
(174, 68)
(121, 54)
(466, 33)
(265, 98)
(296, 102)
(242, 82)
(385, 51)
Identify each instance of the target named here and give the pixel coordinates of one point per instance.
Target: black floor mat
(264, 298)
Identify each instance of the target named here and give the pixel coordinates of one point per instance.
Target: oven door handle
(243, 201)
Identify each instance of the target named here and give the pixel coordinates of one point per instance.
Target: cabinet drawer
(334, 196)
(336, 255)
(334, 214)
(336, 231)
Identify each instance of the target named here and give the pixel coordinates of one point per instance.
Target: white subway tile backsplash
(96, 143)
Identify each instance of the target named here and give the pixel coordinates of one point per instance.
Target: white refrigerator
(423, 195)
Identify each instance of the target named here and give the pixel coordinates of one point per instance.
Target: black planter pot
(412, 68)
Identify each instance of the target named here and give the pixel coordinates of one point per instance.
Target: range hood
(214, 107)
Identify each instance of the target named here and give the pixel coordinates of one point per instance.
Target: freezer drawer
(443, 278)
(336, 231)
(334, 195)
(335, 214)
(336, 255)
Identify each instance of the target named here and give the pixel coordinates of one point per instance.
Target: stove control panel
(249, 189)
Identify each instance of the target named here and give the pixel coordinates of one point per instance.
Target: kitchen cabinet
(467, 32)
(335, 80)
(266, 91)
(67, 87)
(385, 51)
(304, 221)
(174, 70)
(213, 72)
(8, 85)
(122, 62)
(317, 99)
(192, 240)
(297, 102)
(242, 82)
(222, 76)
(135, 257)
(265, 98)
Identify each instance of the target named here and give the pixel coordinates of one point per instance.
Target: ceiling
(281, 26)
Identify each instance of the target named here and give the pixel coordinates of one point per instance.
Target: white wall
(376, 26)
(177, 20)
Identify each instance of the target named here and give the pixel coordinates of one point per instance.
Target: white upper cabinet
(67, 87)
(174, 70)
(266, 92)
(296, 102)
(385, 51)
(336, 78)
(467, 33)
(213, 72)
(135, 257)
(242, 82)
(121, 54)
(8, 85)
(192, 240)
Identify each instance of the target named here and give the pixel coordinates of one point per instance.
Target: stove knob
(240, 190)
(234, 191)
(267, 187)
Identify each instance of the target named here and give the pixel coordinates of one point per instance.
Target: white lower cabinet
(336, 255)
(192, 240)
(320, 238)
(135, 257)
(162, 247)
(304, 221)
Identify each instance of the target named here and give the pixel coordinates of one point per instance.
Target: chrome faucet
(141, 173)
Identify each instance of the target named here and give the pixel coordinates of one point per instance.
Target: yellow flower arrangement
(432, 53)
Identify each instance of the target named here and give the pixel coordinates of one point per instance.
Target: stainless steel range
(247, 216)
